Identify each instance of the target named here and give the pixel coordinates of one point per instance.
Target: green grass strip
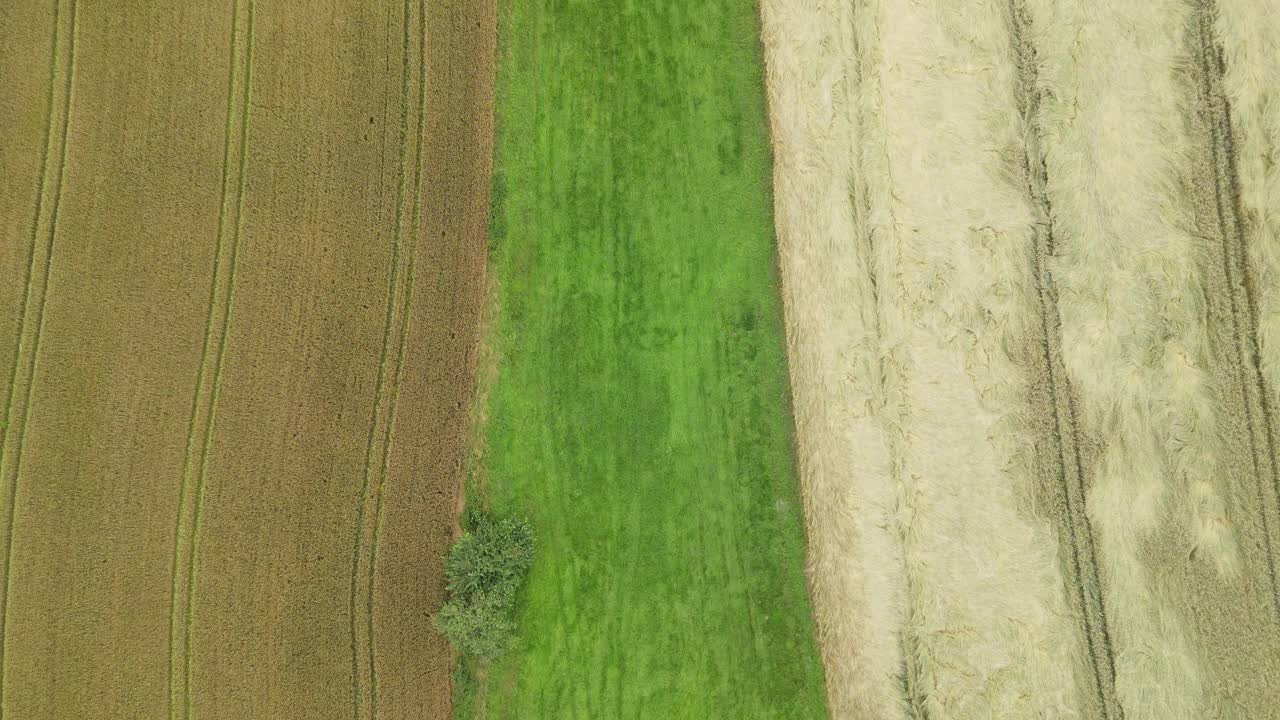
(640, 416)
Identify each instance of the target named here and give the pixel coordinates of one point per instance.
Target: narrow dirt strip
(44, 229)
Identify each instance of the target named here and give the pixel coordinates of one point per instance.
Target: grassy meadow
(639, 414)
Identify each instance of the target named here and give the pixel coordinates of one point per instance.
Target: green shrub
(472, 517)
(485, 570)
(466, 687)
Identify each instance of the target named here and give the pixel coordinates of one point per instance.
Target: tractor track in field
(209, 375)
(1242, 297)
(913, 674)
(36, 322)
(405, 314)
(1077, 532)
(382, 423)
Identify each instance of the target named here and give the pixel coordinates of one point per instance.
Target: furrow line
(1244, 310)
(228, 306)
(11, 478)
(35, 224)
(201, 395)
(1071, 483)
(406, 309)
(380, 418)
(915, 670)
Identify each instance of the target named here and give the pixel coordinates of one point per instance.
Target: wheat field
(1027, 255)
(241, 271)
(861, 359)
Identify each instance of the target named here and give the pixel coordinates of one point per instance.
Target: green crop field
(640, 411)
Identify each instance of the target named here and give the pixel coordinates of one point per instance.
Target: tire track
(915, 670)
(381, 418)
(35, 223)
(405, 313)
(1071, 483)
(36, 322)
(209, 375)
(200, 401)
(1244, 310)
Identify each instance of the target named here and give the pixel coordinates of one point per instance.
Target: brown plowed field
(241, 273)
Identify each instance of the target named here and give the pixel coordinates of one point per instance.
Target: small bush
(485, 570)
(466, 686)
(472, 517)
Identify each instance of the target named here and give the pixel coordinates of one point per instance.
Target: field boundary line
(202, 394)
(1235, 264)
(11, 486)
(1071, 482)
(406, 312)
(380, 417)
